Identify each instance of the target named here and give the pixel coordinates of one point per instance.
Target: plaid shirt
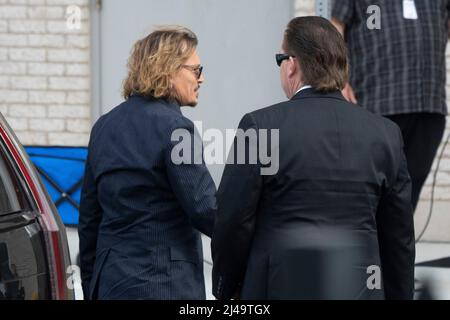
(401, 67)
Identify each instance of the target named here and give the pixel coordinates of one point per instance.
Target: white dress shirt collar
(303, 88)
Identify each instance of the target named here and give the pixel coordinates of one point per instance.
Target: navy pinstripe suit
(141, 214)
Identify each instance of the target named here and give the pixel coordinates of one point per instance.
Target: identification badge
(409, 10)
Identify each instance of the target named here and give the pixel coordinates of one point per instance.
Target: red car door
(34, 253)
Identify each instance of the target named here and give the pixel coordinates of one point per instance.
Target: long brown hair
(320, 50)
(155, 59)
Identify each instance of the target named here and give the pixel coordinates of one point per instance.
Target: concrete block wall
(44, 70)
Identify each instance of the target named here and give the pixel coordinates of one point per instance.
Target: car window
(12, 195)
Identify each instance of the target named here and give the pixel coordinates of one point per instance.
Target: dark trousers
(422, 134)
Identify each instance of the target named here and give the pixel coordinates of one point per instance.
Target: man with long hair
(141, 213)
(341, 171)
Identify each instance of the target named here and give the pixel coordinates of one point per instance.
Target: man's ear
(292, 68)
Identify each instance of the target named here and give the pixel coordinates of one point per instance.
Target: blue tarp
(61, 170)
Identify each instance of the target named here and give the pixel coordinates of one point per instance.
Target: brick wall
(44, 71)
(439, 227)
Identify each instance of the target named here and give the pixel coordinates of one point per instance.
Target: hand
(348, 94)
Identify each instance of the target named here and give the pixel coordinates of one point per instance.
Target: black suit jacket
(140, 214)
(341, 168)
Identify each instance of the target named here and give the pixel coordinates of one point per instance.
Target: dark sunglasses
(280, 57)
(197, 70)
